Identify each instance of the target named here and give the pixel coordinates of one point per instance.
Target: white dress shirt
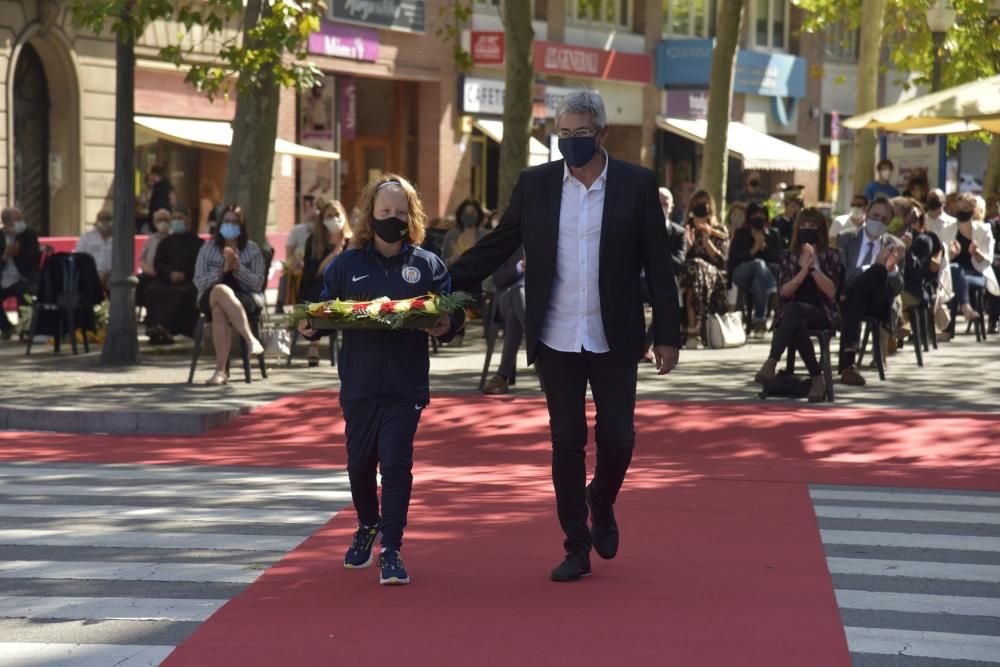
(98, 248)
(945, 227)
(573, 320)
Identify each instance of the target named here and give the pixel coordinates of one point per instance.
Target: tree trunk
(991, 182)
(255, 127)
(518, 96)
(866, 94)
(715, 159)
(121, 345)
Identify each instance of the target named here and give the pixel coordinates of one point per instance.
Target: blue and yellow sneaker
(360, 554)
(392, 571)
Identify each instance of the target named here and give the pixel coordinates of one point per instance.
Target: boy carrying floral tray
(384, 384)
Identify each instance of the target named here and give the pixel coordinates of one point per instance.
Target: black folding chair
(67, 304)
(823, 336)
(873, 329)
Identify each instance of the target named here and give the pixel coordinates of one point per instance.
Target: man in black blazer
(589, 225)
(19, 262)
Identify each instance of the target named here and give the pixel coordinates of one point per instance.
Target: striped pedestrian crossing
(916, 573)
(118, 564)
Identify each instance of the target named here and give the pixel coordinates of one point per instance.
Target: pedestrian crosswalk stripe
(885, 514)
(192, 572)
(903, 497)
(934, 597)
(910, 540)
(919, 603)
(118, 608)
(89, 576)
(31, 654)
(923, 644)
(216, 515)
(137, 538)
(178, 493)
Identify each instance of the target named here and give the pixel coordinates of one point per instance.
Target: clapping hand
(231, 261)
(807, 258)
(955, 248)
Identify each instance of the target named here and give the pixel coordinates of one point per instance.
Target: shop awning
(217, 135)
(755, 149)
(538, 153)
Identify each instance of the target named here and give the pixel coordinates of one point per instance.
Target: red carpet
(721, 562)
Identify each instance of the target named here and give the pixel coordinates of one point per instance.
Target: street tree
(714, 164)
(262, 47)
(519, 81)
(971, 49)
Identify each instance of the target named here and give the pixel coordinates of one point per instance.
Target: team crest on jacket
(411, 274)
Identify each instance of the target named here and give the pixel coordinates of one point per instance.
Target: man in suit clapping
(589, 225)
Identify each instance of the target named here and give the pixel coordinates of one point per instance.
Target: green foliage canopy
(282, 29)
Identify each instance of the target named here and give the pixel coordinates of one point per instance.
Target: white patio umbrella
(966, 108)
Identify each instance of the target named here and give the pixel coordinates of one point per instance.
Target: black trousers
(793, 330)
(380, 439)
(867, 296)
(565, 376)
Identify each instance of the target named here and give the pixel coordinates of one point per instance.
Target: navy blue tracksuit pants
(380, 437)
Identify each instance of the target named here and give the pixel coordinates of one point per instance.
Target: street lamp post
(940, 19)
(121, 345)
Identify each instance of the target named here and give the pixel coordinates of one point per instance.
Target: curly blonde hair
(416, 221)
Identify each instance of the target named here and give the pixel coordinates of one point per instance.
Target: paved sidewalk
(75, 394)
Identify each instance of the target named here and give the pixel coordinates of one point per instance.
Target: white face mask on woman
(334, 224)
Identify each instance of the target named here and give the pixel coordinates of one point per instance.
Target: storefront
(383, 105)
(619, 76)
(767, 89)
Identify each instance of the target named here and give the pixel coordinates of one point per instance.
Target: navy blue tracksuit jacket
(386, 365)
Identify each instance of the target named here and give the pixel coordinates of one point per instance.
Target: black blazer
(633, 238)
(28, 259)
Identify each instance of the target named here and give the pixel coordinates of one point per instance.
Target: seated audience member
(755, 250)
(19, 259)
(467, 231)
(230, 276)
(754, 193)
(944, 227)
(853, 219)
(97, 244)
(736, 216)
(809, 276)
(924, 253)
(703, 275)
(161, 228)
(971, 255)
(785, 222)
(172, 298)
(872, 280)
(509, 282)
(329, 238)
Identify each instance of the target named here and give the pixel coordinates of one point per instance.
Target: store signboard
(568, 59)
(688, 63)
(405, 15)
(345, 41)
(348, 109)
(687, 104)
(582, 61)
(487, 48)
(486, 96)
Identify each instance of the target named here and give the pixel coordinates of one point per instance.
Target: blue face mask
(20, 226)
(229, 231)
(578, 151)
(178, 227)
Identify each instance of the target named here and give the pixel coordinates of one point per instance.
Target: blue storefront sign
(686, 63)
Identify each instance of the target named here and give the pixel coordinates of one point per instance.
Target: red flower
(418, 304)
(358, 307)
(388, 306)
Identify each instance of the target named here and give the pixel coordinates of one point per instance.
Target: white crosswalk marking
(122, 562)
(916, 572)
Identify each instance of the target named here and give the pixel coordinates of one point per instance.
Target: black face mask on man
(391, 229)
(963, 216)
(578, 151)
(933, 204)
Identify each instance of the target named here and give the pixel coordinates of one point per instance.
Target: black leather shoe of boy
(604, 529)
(575, 566)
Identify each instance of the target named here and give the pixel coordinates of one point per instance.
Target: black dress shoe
(576, 565)
(604, 532)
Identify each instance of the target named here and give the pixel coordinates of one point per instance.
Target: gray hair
(584, 101)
